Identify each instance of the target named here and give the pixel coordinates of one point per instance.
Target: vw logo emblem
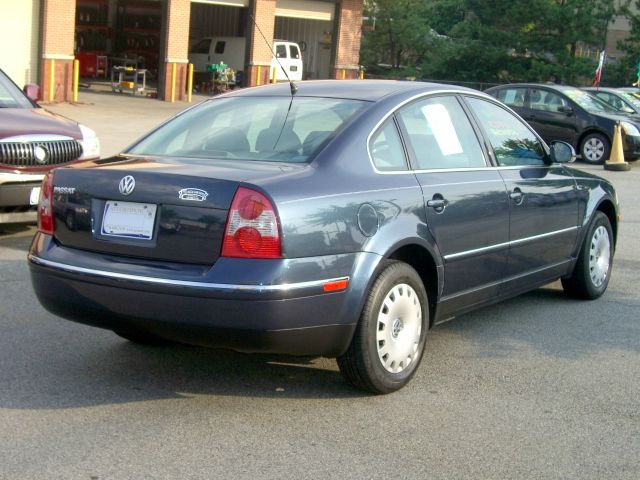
(41, 154)
(127, 184)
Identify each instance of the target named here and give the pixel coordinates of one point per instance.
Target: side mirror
(564, 109)
(32, 92)
(562, 152)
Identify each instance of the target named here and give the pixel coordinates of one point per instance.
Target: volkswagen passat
(344, 220)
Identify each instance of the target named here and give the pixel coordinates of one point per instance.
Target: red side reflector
(336, 286)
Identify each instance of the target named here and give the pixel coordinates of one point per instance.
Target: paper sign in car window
(510, 97)
(443, 129)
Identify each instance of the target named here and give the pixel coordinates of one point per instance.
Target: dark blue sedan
(344, 220)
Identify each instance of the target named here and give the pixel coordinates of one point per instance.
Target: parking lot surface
(540, 386)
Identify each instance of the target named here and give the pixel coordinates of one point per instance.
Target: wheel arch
(606, 206)
(423, 262)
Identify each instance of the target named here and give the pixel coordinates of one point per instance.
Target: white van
(231, 51)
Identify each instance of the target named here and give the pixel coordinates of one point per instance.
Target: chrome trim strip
(36, 138)
(512, 243)
(285, 287)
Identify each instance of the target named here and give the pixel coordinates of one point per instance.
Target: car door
(552, 116)
(467, 208)
(543, 198)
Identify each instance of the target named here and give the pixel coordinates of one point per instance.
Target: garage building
(50, 34)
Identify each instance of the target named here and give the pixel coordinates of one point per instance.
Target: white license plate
(34, 196)
(128, 219)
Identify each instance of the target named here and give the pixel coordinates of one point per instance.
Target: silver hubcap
(599, 256)
(399, 328)
(593, 149)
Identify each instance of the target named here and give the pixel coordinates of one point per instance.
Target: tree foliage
(487, 40)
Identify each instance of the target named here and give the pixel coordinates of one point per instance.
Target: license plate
(34, 196)
(128, 219)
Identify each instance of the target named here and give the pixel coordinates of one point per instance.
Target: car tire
(143, 338)
(595, 149)
(592, 271)
(389, 341)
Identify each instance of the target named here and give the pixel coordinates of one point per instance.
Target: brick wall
(176, 48)
(264, 12)
(348, 38)
(58, 27)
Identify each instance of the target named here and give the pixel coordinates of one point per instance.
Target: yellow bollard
(361, 74)
(274, 74)
(189, 82)
(259, 76)
(173, 83)
(344, 74)
(52, 80)
(76, 79)
(616, 159)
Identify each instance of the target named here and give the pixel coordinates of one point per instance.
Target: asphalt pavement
(540, 386)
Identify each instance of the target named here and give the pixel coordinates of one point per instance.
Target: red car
(32, 142)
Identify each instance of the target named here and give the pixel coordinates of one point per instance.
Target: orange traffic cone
(616, 159)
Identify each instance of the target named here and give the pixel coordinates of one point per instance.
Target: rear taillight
(252, 227)
(45, 206)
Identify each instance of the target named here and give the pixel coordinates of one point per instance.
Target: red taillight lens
(45, 206)
(252, 227)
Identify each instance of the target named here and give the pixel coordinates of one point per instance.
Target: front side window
(547, 101)
(202, 46)
(281, 51)
(386, 148)
(293, 50)
(251, 128)
(512, 141)
(440, 135)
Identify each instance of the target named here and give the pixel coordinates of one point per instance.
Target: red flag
(596, 79)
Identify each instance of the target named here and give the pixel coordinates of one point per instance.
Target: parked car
(32, 142)
(622, 101)
(231, 52)
(345, 221)
(559, 112)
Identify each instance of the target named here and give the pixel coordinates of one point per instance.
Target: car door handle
(517, 196)
(438, 204)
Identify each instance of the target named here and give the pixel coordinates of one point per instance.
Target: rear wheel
(591, 274)
(389, 341)
(595, 149)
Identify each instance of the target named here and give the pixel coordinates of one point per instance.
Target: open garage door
(310, 24)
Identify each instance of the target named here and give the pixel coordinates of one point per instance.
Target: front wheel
(389, 341)
(591, 274)
(595, 149)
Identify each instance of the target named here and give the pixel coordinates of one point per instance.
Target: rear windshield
(251, 128)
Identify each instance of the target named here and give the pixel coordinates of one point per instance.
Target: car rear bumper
(297, 318)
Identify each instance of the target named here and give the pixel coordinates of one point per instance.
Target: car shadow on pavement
(546, 321)
(114, 371)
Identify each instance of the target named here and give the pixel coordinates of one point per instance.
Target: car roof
(371, 90)
(553, 86)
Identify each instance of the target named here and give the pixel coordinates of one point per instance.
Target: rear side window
(386, 148)
(514, 97)
(220, 46)
(440, 135)
(513, 143)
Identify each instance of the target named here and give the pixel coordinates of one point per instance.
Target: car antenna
(292, 86)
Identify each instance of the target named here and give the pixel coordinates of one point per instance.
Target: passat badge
(194, 194)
